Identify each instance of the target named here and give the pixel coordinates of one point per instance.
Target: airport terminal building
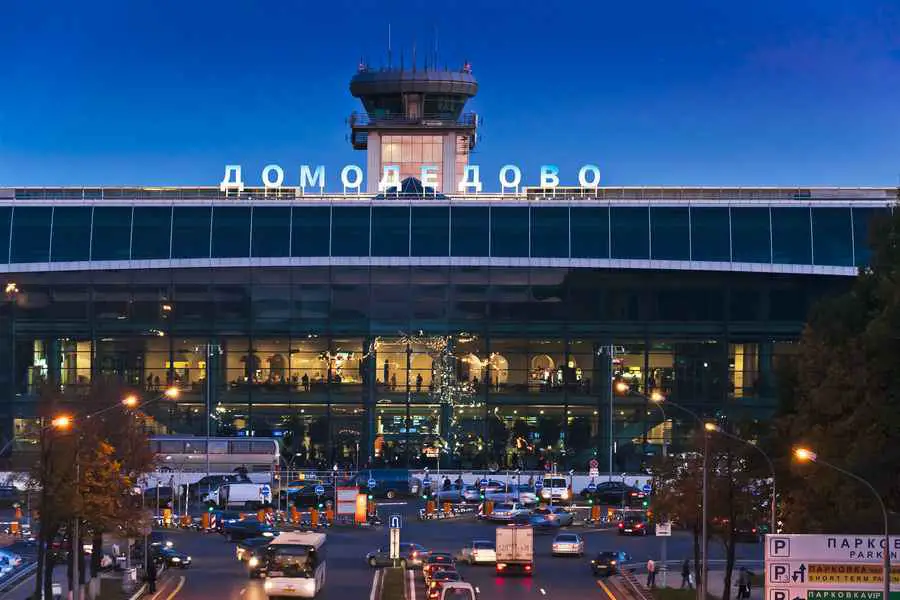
(393, 327)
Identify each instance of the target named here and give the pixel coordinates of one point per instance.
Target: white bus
(295, 565)
(226, 455)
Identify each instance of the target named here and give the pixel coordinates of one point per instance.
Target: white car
(555, 489)
(457, 590)
(479, 552)
(508, 513)
(568, 543)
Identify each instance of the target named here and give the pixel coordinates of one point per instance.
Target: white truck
(515, 549)
(244, 495)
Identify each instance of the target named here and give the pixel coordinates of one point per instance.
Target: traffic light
(321, 506)
(590, 501)
(482, 495)
(371, 497)
(209, 508)
(646, 503)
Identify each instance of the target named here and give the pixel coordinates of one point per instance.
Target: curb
(18, 579)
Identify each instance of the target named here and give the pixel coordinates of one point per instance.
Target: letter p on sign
(779, 547)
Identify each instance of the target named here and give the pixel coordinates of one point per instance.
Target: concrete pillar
(373, 162)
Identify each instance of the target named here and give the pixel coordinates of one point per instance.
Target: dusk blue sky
(713, 92)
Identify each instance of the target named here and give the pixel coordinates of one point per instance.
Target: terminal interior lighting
(61, 422)
(657, 396)
(130, 401)
(621, 387)
(172, 392)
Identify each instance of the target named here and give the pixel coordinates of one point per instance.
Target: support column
(369, 399)
(54, 357)
(603, 391)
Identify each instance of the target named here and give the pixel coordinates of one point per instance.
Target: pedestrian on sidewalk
(151, 575)
(686, 574)
(651, 574)
(744, 584)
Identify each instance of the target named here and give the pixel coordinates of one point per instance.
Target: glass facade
(827, 236)
(412, 152)
(507, 364)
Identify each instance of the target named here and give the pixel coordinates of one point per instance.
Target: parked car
(569, 544)
(479, 552)
(551, 516)
(411, 555)
(605, 564)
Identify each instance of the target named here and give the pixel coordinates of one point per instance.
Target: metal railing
(468, 119)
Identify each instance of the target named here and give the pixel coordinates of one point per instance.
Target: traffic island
(393, 584)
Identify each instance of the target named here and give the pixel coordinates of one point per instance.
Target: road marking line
(177, 588)
(243, 590)
(412, 585)
(607, 590)
(375, 579)
(543, 592)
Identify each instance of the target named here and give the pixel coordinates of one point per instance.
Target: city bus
(187, 453)
(295, 565)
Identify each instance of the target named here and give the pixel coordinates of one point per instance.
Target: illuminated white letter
(232, 179)
(267, 177)
(357, 177)
(471, 179)
(390, 179)
(504, 180)
(316, 179)
(549, 176)
(594, 182)
(429, 178)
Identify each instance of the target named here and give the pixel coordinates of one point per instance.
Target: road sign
(396, 521)
(319, 490)
(827, 567)
(371, 483)
(346, 500)
(646, 489)
(538, 483)
(664, 529)
(483, 483)
(395, 543)
(594, 473)
(426, 482)
(594, 464)
(265, 492)
(591, 487)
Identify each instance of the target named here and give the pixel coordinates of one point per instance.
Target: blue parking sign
(371, 483)
(483, 483)
(319, 490)
(592, 487)
(647, 489)
(538, 483)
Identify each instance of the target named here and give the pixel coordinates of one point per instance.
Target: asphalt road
(216, 574)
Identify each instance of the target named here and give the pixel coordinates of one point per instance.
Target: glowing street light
(807, 455)
(621, 387)
(130, 401)
(172, 392)
(657, 396)
(61, 422)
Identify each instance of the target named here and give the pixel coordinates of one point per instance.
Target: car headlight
(267, 585)
(545, 493)
(176, 559)
(564, 494)
(253, 562)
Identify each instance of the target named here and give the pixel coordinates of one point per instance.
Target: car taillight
(639, 525)
(415, 554)
(527, 567)
(501, 566)
(621, 525)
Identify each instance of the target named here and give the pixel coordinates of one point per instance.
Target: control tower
(414, 118)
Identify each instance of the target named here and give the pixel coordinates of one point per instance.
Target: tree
(842, 399)
(499, 437)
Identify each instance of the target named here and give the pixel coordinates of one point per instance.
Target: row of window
(833, 236)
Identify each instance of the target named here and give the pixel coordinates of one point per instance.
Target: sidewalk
(717, 585)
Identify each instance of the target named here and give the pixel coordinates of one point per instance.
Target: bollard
(314, 518)
(429, 508)
(488, 507)
(448, 508)
(185, 521)
(595, 513)
(261, 516)
(204, 521)
(14, 528)
(329, 516)
(295, 515)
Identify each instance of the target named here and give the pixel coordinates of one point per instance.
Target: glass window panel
(430, 234)
(231, 232)
(550, 232)
(590, 232)
(190, 232)
(150, 232)
(630, 232)
(390, 231)
(71, 233)
(31, 234)
(832, 236)
(271, 230)
(5, 218)
(112, 233)
(862, 225)
(509, 231)
(750, 234)
(710, 234)
(311, 230)
(790, 236)
(350, 231)
(470, 230)
(670, 228)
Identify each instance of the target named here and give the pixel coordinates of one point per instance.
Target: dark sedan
(245, 548)
(411, 555)
(172, 558)
(633, 527)
(605, 564)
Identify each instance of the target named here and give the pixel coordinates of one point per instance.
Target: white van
(556, 490)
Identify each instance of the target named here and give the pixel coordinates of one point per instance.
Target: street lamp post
(806, 455)
(772, 516)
